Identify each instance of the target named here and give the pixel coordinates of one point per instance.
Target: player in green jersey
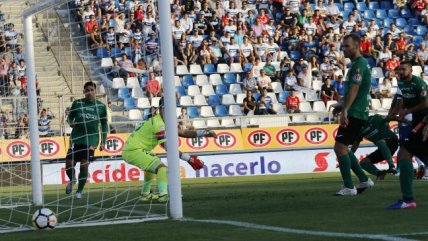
(413, 100)
(354, 112)
(138, 152)
(378, 131)
(86, 116)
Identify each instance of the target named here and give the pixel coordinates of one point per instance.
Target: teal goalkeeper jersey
(88, 116)
(147, 136)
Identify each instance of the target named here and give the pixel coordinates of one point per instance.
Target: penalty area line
(298, 231)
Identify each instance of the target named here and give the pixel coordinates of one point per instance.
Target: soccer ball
(44, 218)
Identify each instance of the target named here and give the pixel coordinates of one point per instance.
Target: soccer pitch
(283, 207)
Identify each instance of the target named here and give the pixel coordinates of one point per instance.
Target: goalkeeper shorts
(78, 153)
(142, 159)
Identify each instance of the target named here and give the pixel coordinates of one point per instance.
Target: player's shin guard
(406, 179)
(369, 167)
(70, 173)
(148, 179)
(386, 153)
(83, 176)
(356, 168)
(345, 170)
(162, 180)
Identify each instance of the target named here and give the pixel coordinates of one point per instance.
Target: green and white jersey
(412, 93)
(375, 129)
(88, 115)
(359, 74)
(147, 136)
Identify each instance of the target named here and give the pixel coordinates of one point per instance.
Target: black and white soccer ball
(44, 218)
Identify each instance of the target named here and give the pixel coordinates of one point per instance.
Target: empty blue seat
(181, 90)
(146, 113)
(413, 22)
(405, 13)
(115, 53)
(386, 5)
(221, 89)
(401, 22)
(214, 100)
(295, 55)
(361, 6)
(371, 62)
(387, 23)
(421, 30)
(188, 80)
(128, 52)
(374, 5)
(381, 14)
(129, 103)
(144, 80)
(193, 112)
(248, 66)
(221, 111)
(209, 69)
(229, 78)
(348, 6)
(102, 53)
(256, 95)
(111, 23)
(369, 14)
(123, 93)
(426, 69)
(283, 96)
(409, 30)
(345, 14)
(417, 40)
(393, 13)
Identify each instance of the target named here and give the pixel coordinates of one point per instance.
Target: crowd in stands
(295, 44)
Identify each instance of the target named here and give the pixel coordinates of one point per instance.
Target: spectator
(247, 50)
(184, 122)
(250, 82)
(249, 104)
(265, 104)
(391, 64)
(366, 46)
(326, 68)
(273, 50)
(304, 78)
(292, 102)
(153, 87)
(90, 24)
(11, 36)
(385, 88)
(270, 69)
(44, 124)
(260, 49)
(125, 64)
(290, 80)
(22, 128)
(205, 56)
(264, 81)
(327, 91)
(232, 52)
(422, 54)
(339, 87)
(152, 48)
(384, 56)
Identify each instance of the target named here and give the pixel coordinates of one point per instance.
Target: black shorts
(78, 153)
(376, 156)
(416, 146)
(347, 135)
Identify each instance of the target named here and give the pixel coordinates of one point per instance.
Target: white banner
(247, 164)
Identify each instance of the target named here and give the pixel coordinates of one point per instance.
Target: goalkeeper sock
(406, 179)
(369, 167)
(356, 168)
(345, 170)
(70, 174)
(386, 153)
(162, 180)
(148, 179)
(83, 175)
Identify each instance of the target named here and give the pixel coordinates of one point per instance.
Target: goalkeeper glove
(196, 163)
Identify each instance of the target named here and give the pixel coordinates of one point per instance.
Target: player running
(138, 152)
(378, 131)
(86, 116)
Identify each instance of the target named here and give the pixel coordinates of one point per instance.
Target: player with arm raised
(86, 116)
(378, 131)
(138, 152)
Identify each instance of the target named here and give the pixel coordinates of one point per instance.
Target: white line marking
(299, 231)
(412, 234)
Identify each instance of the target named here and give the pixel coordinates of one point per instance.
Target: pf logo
(225, 140)
(48, 148)
(259, 138)
(287, 137)
(18, 149)
(316, 135)
(321, 162)
(197, 143)
(114, 144)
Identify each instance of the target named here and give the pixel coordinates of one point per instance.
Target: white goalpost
(105, 201)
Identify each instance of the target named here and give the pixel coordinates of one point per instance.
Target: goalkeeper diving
(138, 152)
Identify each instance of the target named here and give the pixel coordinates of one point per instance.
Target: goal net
(66, 55)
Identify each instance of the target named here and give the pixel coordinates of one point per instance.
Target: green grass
(303, 202)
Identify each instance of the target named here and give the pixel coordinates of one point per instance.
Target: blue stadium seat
(221, 89)
(295, 55)
(128, 52)
(413, 21)
(256, 96)
(129, 103)
(193, 112)
(426, 69)
(371, 62)
(102, 53)
(421, 30)
(209, 69)
(345, 14)
(283, 96)
(115, 53)
(393, 13)
(417, 40)
(381, 14)
(386, 5)
(405, 13)
(144, 80)
(248, 66)
(339, 6)
(361, 6)
(123, 93)
(369, 14)
(229, 78)
(111, 23)
(214, 100)
(401, 22)
(180, 90)
(221, 111)
(387, 23)
(348, 6)
(188, 80)
(146, 113)
(409, 30)
(374, 5)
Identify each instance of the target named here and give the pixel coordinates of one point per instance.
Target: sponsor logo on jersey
(259, 138)
(48, 147)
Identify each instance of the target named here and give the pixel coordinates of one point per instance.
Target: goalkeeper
(378, 131)
(85, 118)
(138, 147)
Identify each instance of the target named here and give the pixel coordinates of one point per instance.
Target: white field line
(299, 231)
